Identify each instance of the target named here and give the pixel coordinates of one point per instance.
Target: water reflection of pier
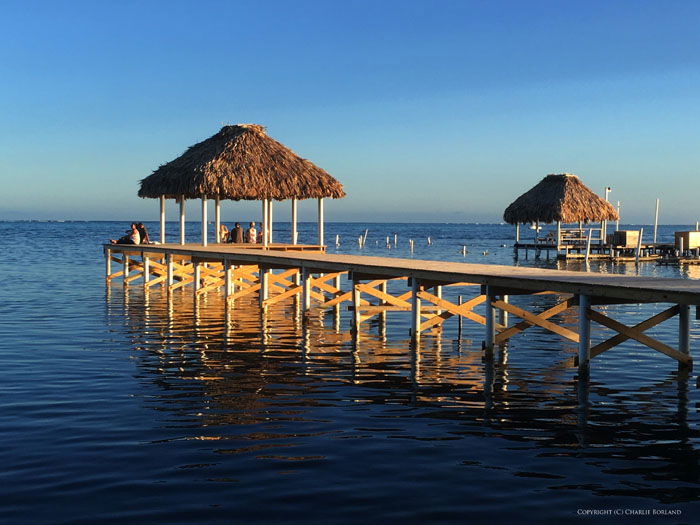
(223, 375)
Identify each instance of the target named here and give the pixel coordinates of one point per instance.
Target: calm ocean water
(118, 407)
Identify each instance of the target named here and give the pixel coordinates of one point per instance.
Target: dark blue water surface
(117, 406)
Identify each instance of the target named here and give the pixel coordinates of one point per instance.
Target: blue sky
(425, 111)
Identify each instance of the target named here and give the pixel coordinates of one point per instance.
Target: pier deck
(308, 274)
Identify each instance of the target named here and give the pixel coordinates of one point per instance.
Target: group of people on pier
(136, 234)
(239, 235)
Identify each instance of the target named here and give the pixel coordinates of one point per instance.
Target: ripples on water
(120, 406)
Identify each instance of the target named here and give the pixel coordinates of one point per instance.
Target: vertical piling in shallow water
(584, 335)
(490, 316)
(415, 310)
(146, 270)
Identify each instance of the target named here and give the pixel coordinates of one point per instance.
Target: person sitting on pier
(251, 234)
(143, 233)
(236, 235)
(132, 236)
(223, 233)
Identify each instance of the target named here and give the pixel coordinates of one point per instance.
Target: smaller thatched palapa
(559, 198)
(240, 163)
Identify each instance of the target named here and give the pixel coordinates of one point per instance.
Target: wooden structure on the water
(278, 273)
(240, 162)
(562, 199)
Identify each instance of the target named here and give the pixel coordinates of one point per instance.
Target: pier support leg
(169, 264)
(684, 332)
(264, 285)
(126, 270)
(415, 311)
(356, 314)
(490, 316)
(584, 331)
(502, 314)
(305, 290)
(108, 264)
(336, 308)
(197, 277)
(146, 271)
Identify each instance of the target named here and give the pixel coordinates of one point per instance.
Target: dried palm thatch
(240, 163)
(559, 198)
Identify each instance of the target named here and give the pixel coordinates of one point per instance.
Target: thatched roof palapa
(240, 163)
(559, 198)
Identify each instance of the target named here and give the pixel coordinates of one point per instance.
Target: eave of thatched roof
(559, 198)
(240, 163)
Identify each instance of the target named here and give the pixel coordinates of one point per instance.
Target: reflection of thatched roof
(240, 163)
(561, 198)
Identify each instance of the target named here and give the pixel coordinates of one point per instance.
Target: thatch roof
(559, 198)
(240, 163)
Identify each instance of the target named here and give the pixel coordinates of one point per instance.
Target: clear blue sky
(431, 110)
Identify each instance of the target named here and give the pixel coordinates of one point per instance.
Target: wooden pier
(282, 272)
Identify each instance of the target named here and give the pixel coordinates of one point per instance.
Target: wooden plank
(635, 334)
(451, 309)
(644, 325)
(537, 320)
(284, 295)
(523, 325)
(387, 298)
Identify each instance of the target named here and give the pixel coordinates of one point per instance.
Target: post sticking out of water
(364, 237)
(464, 250)
(396, 239)
(388, 244)
(337, 240)
(410, 244)
(639, 246)
(430, 241)
(617, 222)
(588, 244)
(656, 219)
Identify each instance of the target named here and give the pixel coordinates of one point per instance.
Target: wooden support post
(217, 218)
(269, 221)
(684, 329)
(182, 219)
(126, 270)
(459, 320)
(588, 244)
(320, 221)
(295, 234)
(204, 221)
(169, 263)
(356, 313)
(264, 285)
(638, 251)
(336, 308)
(517, 232)
(558, 235)
(227, 282)
(264, 222)
(584, 334)
(490, 316)
(197, 277)
(503, 314)
(146, 270)
(415, 310)
(306, 289)
(108, 264)
(383, 288)
(162, 219)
